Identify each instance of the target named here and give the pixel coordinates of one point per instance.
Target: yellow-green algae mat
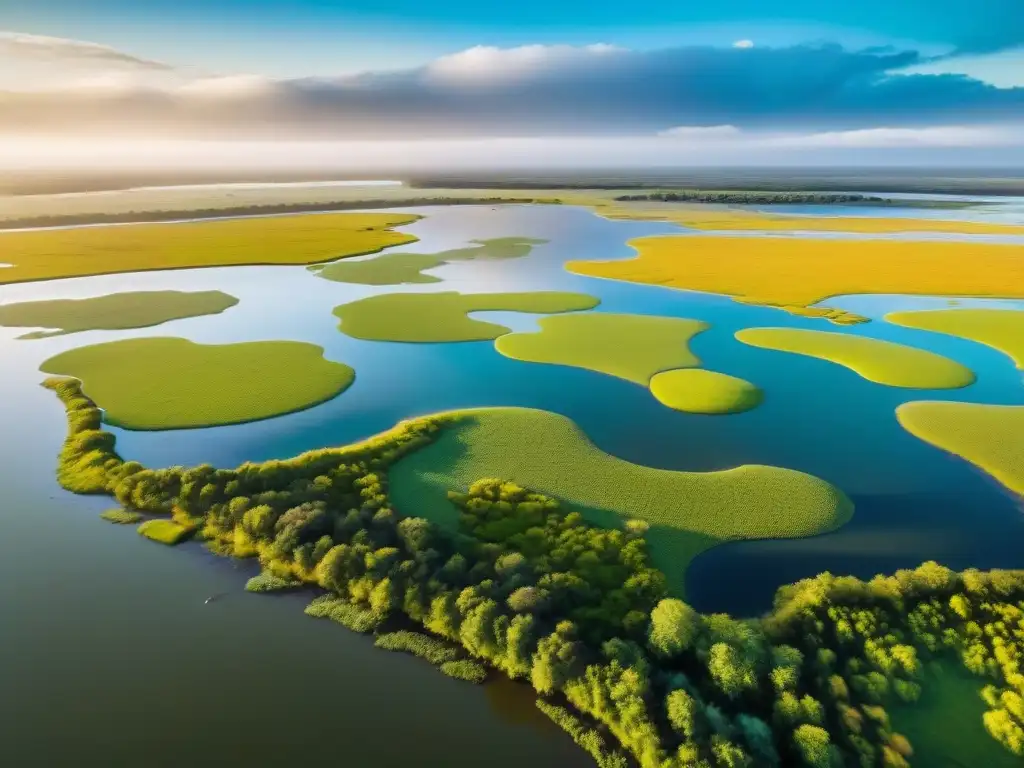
(989, 436)
(172, 383)
(1001, 329)
(688, 511)
(882, 362)
(643, 349)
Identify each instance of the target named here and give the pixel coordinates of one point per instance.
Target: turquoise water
(119, 625)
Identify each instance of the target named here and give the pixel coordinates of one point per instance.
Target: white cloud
(501, 65)
(712, 133)
(743, 44)
(930, 136)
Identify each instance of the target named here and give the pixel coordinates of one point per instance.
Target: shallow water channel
(110, 656)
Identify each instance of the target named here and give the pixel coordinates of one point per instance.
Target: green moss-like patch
(465, 669)
(631, 347)
(432, 649)
(437, 317)
(171, 383)
(121, 516)
(1001, 329)
(165, 531)
(695, 390)
(882, 362)
(48, 254)
(266, 581)
(115, 311)
(346, 613)
(399, 268)
(688, 511)
(989, 436)
(945, 726)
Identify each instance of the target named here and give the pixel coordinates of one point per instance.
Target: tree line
(755, 198)
(525, 587)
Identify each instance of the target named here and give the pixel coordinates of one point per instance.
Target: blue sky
(302, 37)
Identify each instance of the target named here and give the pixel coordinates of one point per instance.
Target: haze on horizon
(450, 85)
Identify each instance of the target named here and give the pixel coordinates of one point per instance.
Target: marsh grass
(442, 317)
(171, 383)
(1000, 329)
(630, 347)
(688, 512)
(989, 436)
(431, 649)
(883, 362)
(267, 581)
(793, 274)
(165, 531)
(140, 309)
(75, 252)
(590, 739)
(694, 390)
(121, 516)
(345, 612)
(465, 669)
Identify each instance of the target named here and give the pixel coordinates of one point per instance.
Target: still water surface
(108, 648)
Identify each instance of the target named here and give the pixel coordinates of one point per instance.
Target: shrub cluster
(530, 589)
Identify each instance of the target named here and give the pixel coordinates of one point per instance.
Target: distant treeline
(756, 198)
(134, 217)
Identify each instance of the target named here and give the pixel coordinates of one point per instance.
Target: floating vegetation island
(442, 317)
(1001, 329)
(408, 268)
(115, 311)
(883, 362)
(172, 383)
(694, 390)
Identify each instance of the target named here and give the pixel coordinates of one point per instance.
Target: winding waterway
(108, 648)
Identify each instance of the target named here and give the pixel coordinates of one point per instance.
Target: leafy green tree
(674, 627)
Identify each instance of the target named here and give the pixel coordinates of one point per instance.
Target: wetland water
(108, 648)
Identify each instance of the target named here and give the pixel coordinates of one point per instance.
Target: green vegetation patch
(172, 383)
(438, 317)
(688, 511)
(882, 362)
(945, 727)
(346, 613)
(631, 347)
(399, 268)
(1001, 329)
(115, 311)
(121, 516)
(165, 531)
(431, 649)
(268, 581)
(695, 390)
(75, 252)
(465, 669)
(589, 739)
(989, 436)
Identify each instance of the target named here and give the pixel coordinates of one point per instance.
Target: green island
(1001, 329)
(115, 311)
(407, 268)
(695, 390)
(46, 254)
(172, 383)
(517, 584)
(883, 362)
(687, 512)
(989, 436)
(630, 347)
(440, 317)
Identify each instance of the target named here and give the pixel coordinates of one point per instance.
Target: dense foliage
(753, 198)
(530, 589)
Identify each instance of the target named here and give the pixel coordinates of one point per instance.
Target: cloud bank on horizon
(740, 94)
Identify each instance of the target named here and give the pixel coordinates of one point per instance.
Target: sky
(815, 81)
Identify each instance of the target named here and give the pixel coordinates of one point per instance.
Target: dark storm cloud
(537, 90)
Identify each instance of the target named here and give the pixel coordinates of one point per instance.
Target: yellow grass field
(882, 362)
(694, 390)
(989, 436)
(75, 252)
(1001, 329)
(796, 273)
